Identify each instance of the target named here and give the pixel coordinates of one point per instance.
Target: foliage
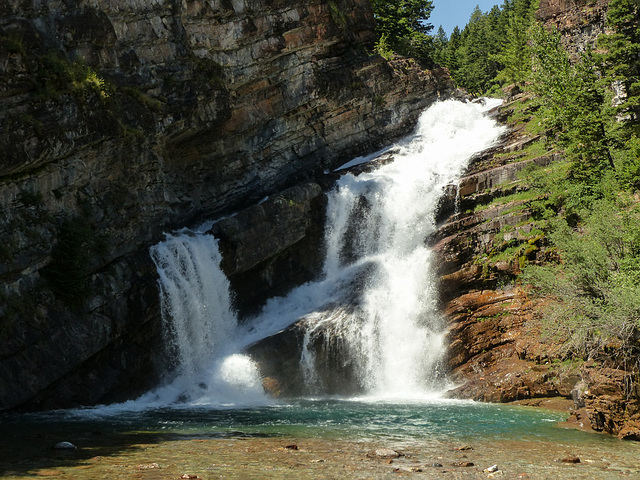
(440, 41)
(58, 75)
(572, 100)
(514, 56)
(622, 50)
(597, 285)
(584, 210)
(403, 27)
(491, 50)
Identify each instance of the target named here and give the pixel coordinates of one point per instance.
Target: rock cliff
(122, 119)
(579, 21)
(497, 349)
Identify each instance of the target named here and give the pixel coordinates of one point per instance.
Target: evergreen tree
(403, 27)
(452, 53)
(622, 59)
(572, 101)
(474, 72)
(440, 42)
(515, 56)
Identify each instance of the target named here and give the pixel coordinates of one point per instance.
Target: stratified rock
(125, 119)
(273, 246)
(496, 350)
(579, 22)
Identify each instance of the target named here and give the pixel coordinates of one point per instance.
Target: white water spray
(377, 262)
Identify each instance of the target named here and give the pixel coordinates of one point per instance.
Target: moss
(55, 75)
(130, 133)
(337, 15)
(148, 102)
(209, 72)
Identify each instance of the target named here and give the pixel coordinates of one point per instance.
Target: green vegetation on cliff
(490, 51)
(587, 206)
(403, 27)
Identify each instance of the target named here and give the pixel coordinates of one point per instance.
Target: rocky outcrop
(497, 348)
(125, 119)
(272, 246)
(311, 356)
(579, 22)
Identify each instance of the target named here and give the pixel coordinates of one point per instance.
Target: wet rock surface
(273, 246)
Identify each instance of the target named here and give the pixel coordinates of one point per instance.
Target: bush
(596, 287)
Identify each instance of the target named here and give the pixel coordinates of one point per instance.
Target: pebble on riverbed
(384, 453)
(464, 448)
(570, 460)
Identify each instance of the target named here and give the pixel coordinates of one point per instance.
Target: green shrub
(597, 285)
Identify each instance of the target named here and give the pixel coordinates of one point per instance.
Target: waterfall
(377, 295)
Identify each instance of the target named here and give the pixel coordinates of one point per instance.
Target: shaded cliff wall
(122, 119)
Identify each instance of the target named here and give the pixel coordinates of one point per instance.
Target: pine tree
(515, 57)
(572, 101)
(622, 59)
(403, 26)
(440, 42)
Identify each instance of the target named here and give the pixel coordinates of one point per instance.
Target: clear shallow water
(357, 420)
(333, 438)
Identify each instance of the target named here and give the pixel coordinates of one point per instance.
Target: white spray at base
(377, 224)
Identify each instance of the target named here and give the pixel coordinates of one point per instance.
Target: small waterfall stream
(377, 293)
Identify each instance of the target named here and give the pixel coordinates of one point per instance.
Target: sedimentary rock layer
(125, 118)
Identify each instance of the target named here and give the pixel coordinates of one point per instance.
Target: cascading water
(378, 291)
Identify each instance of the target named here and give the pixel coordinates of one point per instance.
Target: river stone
(385, 453)
(64, 446)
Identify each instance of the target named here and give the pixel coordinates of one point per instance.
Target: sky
(450, 13)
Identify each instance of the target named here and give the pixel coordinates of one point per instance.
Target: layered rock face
(123, 119)
(579, 21)
(497, 349)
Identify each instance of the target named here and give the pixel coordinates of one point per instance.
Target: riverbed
(309, 439)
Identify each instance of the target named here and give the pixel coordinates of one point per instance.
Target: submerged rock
(64, 446)
(384, 453)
